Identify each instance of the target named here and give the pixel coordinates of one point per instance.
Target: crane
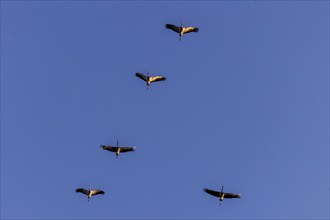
(150, 79)
(181, 30)
(90, 192)
(222, 195)
(117, 149)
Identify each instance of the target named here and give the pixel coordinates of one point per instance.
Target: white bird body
(181, 30)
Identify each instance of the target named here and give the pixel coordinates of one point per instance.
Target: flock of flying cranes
(117, 149)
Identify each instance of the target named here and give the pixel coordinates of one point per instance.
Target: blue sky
(245, 105)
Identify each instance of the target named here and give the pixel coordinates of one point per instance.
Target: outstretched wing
(126, 149)
(190, 29)
(109, 148)
(212, 192)
(232, 195)
(173, 27)
(82, 190)
(142, 76)
(97, 191)
(157, 78)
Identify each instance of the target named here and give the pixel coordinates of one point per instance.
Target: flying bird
(181, 30)
(117, 149)
(222, 195)
(90, 192)
(150, 79)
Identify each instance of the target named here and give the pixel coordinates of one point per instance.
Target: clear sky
(245, 105)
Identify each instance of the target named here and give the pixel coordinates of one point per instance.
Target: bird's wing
(82, 190)
(97, 191)
(141, 76)
(212, 192)
(173, 27)
(190, 29)
(109, 148)
(157, 78)
(232, 195)
(126, 149)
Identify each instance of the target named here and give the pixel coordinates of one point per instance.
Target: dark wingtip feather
(167, 26)
(197, 29)
(102, 192)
